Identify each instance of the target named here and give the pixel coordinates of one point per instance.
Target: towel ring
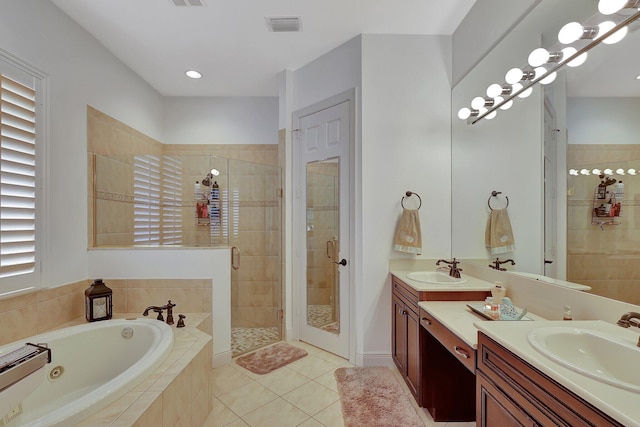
(495, 194)
(409, 194)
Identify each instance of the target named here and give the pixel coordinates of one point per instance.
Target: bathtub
(91, 366)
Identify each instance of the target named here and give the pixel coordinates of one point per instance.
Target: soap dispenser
(567, 313)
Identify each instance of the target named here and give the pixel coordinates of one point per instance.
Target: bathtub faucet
(169, 307)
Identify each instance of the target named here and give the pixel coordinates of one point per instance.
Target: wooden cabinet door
(399, 335)
(413, 373)
(494, 409)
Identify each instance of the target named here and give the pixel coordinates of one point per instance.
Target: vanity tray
(482, 311)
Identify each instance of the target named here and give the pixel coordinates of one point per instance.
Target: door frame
(297, 221)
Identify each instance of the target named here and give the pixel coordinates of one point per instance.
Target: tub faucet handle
(180, 321)
(159, 311)
(170, 312)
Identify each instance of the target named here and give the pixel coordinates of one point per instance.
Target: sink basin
(594, 354)
(435, 277)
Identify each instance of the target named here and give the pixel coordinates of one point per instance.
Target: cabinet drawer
(409, 294)
(454, 344)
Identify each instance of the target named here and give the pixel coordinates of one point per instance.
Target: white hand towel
(408, 235)
(499, 235)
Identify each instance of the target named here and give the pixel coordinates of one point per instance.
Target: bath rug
(271, 358)
(373, 397)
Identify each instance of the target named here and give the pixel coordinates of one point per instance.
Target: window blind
(146, 204)
(17, 178)
(171, 200)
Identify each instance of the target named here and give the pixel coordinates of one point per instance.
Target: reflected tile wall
(606, 259)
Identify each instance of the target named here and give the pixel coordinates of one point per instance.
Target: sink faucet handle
(159, 311)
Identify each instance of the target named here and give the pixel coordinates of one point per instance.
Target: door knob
(342, 262)
(546, 261)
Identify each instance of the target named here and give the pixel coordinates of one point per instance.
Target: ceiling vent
(281, 24)
(188, 2)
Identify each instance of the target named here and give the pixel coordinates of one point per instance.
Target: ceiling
(228, 40)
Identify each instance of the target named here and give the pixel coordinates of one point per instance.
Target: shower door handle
(330, 249)
(235, 258)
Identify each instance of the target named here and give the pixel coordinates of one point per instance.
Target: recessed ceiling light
(193, 74)
(638, 77)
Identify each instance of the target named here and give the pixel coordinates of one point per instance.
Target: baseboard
(221, 359)
(383, 359)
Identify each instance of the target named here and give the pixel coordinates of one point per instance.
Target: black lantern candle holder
(98, 301)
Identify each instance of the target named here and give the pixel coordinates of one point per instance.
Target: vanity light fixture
(608, 171)
(631, 171)
(543, 64)
(193, 74)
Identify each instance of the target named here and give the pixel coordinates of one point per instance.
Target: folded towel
(408, 235)
(498, 235)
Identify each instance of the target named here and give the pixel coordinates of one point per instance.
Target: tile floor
(303, 393)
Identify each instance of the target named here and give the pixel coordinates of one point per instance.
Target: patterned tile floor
(244, 340)
(303, 393)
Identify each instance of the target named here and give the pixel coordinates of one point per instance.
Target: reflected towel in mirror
(499, 235)
(408, 234)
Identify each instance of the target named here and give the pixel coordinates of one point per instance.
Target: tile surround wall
(605, 260)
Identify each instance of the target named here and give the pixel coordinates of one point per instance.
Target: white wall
(603, 120)
(221, 120)
(406, 145)
(81, 72)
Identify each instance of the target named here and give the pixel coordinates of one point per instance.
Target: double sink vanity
(537, 371)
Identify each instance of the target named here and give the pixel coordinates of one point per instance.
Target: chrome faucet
(169, 307)
(496, 264)
(624, 319)
(454, 271)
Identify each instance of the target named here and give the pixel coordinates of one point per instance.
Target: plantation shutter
(17, 178)
(171, 200)
(146, 193)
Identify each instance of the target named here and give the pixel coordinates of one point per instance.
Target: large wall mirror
(586, 120)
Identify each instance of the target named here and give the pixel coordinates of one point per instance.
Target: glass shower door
(253, 211)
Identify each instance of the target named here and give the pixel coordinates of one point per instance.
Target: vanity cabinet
(410, 342)
(510, 392)
(448, 373)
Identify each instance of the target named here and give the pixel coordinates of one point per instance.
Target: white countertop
(620, 404)
(460, 319)
(470, 284)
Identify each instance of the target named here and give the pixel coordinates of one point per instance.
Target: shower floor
(321, 316)
(247, 339)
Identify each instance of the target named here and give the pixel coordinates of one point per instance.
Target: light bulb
(526, 93)
(494, 90)
(513, 76)
(608, 172)
(609, 7)
(516, 87)
(538, 57)
(596, 172)
(540, 71)
(568, 52)
(573, 172)
(215, 172)
(491, 115)
(549, 79)
(507, 105)
(478, 102)
(585, 172)
(464, 113)
(631, 171)
(613, 38)
(570, 32)
(620, 171)
(193, 74)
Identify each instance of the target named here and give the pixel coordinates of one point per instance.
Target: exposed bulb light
(491, 115)
(606, 26)
(585, 172)
(549, 78)
(568, 52)
(215, 172)
(513, 76)
(541, 56)
(608, 172)
(609, 7)
(596, 172)
(631, 171)
(479, 102)
(494, 90)
(193, 74)
(573, 172)
(507, 105)
(464, 113)
(574, 31)
(620, 171)
(638, 77)
(526, 93)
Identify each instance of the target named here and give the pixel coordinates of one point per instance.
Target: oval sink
(435, 277)
(594, 354)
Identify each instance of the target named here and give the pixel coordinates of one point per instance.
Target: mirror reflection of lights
(620, 171)
(215, 172)
(585, 172)
(596, 171)
(608, 172)
(573, 172)
(631, 171)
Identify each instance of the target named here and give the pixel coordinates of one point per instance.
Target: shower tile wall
(605, 260)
